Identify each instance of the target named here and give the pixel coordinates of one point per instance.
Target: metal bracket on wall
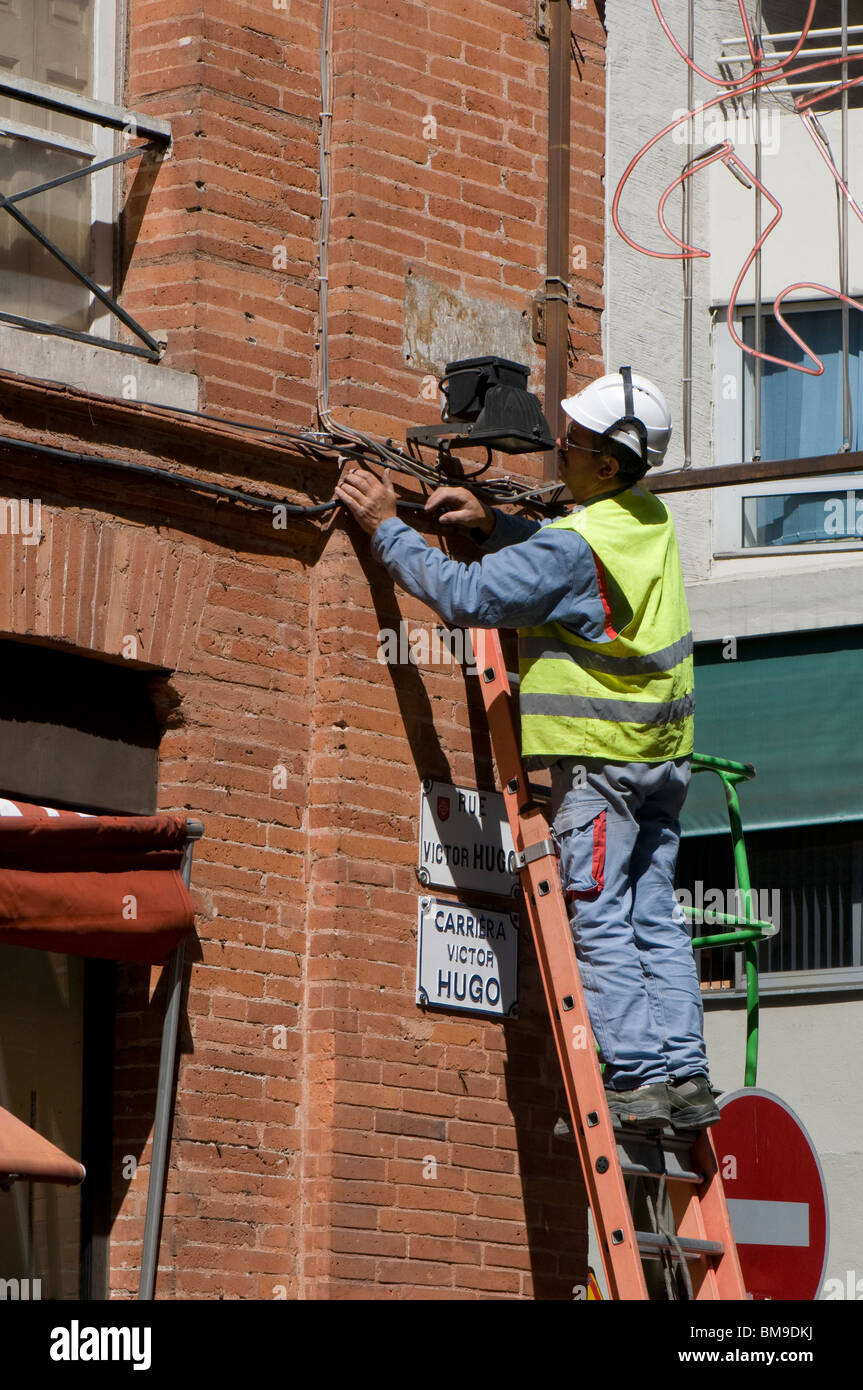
(543, 22)
(555, 288)
(537, 318)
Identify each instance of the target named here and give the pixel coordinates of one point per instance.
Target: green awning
(791, 705)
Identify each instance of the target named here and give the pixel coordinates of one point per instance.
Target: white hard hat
(627, 408)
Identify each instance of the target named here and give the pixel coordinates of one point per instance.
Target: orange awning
(106, 886)
(25, 1154)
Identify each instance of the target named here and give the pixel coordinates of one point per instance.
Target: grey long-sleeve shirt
(530, 574)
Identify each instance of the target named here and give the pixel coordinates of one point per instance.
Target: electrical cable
(501, 489)
(665, 1257)
(217, 490)
(324, 173)
(687, 267)
(758, 316)
(165, 474)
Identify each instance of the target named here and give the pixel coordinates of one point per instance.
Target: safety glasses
(578, 437)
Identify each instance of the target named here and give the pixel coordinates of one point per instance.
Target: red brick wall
(304, 1169)
(240, 83)
(221, 601)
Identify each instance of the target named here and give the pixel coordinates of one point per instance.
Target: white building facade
(774, 568)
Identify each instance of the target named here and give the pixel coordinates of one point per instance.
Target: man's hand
(458, 506)
(371, 500)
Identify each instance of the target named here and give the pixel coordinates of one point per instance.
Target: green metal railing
(748, 930)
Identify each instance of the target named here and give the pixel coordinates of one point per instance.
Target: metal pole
(750, 948)
(759, 327)
(31, 1223)
(847, 423)
(557, 226)
(730, 773)
(323, 393)
(164, 1096)
(688, 264)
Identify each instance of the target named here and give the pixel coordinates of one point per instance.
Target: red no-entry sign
(775, 1193)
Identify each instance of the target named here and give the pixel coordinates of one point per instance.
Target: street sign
(467, 958)
(776, 1196)
(465, 840)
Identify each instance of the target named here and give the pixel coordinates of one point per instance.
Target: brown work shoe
(692, 1101)
(647, 1107)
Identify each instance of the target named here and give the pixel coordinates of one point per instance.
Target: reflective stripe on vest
(548, 648)
(629, 698)
(619, 711)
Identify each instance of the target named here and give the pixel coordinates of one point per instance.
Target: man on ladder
(606, 697)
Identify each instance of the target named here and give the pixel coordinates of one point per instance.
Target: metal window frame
(156, 134)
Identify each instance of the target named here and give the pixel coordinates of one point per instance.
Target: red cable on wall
(759, 76)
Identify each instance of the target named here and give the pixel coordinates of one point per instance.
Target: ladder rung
(663, 1157)
(653, 1245)
(539, 791)
(641, 1155)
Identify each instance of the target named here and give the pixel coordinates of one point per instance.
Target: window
(795, 519)
(809, 882)
(57, 137)
(801, 415)
(65, 44)
(74, 731)
(788, 704)
(41, 1056)
(818, 513)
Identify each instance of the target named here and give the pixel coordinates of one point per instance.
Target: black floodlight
(490, 395)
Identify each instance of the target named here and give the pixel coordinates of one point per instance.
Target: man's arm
(551, 577)
(507, 530)
(487, 526)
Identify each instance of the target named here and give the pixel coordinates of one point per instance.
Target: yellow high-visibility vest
(629, 698)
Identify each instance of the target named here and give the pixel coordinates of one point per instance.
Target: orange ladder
(624, 1170)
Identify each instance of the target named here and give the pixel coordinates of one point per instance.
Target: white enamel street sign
(465, 840)
(467, 958)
